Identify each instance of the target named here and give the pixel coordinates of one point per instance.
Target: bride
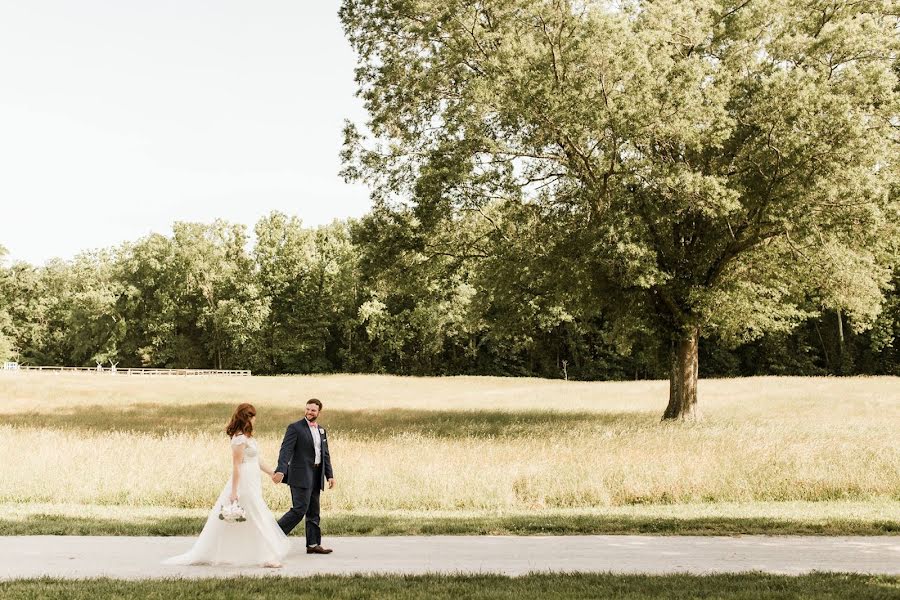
(256, 541)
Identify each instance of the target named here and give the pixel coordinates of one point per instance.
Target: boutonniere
(322, 431)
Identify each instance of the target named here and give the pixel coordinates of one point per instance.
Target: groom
(304, 464)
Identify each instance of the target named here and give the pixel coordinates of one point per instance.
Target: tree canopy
(689, 168)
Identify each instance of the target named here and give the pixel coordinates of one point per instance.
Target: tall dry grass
(762, 439)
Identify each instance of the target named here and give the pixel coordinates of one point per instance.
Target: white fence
(126, 371)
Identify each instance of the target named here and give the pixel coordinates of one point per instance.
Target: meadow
(116, 454)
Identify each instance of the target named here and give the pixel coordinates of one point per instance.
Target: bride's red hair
(240, 420)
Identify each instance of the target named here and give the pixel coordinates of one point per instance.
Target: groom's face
(312, 412)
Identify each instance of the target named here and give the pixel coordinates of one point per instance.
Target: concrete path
(140, 557)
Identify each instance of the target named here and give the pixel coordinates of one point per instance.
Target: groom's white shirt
(317, 440)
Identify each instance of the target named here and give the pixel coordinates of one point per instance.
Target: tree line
(353, 297)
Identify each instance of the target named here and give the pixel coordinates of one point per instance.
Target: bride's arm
(265, 468)
(237, 457)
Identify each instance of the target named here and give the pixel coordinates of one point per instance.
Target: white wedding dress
(256, 541)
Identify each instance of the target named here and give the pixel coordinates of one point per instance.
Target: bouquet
(232, 513)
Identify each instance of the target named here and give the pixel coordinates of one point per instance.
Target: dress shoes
(318, 550)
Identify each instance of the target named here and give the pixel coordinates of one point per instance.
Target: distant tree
(91, 326)
(308, 277)
(221, 303)
(152, 292)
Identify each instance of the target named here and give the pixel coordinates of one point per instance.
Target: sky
(120, 117)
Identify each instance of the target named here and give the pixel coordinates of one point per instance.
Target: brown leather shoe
(318, 550)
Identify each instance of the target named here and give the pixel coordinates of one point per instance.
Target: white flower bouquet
(232, 513)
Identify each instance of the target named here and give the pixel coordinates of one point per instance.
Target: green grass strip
(362, 525)
(493, 587)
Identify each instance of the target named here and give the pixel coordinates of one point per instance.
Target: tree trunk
(683, 377)
(841, 358)
(822, 341)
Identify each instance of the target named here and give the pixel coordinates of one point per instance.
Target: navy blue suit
(297, 460)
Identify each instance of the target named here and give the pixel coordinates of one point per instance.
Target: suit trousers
(305, 504)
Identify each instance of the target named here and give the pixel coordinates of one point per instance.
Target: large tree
(709, 167)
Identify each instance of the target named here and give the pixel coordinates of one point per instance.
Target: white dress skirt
(256, 541)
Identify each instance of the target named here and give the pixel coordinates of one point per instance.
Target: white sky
(119, 117)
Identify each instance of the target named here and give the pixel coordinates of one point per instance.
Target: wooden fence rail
(129, 371)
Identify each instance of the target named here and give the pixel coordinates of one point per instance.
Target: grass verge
(547, 587)
(342, 524)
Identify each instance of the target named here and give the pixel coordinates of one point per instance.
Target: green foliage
(670, 166)
(151, 294)
(385, 295)
(309, 279)
(569, 586)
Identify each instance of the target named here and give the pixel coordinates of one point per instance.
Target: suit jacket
(298, 455)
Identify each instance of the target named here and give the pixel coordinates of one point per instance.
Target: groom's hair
(316, 402)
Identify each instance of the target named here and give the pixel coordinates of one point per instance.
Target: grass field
(493, 587)
(108, 454)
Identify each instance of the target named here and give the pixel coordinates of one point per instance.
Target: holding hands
(279, 477)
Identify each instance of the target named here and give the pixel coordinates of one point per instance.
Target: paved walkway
(140, 557)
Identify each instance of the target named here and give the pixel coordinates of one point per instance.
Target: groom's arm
(326, 461)
(287, 449)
